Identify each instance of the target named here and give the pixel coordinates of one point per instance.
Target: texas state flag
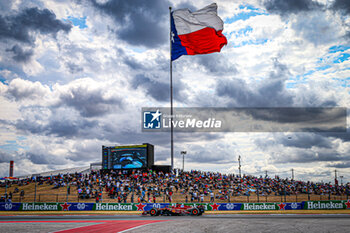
(197, 32)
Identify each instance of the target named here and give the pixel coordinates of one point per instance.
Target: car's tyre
(153, 212)
(195, 212)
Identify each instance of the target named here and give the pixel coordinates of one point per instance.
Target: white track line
(138, 227)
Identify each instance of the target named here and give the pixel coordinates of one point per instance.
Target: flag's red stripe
(203, 41)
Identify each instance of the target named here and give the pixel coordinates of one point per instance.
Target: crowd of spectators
(190, 186)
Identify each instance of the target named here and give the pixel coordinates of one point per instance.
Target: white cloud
(76, 92)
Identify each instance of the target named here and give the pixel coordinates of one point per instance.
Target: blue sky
(79, 22)
(75, 75)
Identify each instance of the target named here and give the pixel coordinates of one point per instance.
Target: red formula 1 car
(177, 210)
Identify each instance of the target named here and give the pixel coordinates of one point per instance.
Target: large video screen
(129, 158)
(125, 157)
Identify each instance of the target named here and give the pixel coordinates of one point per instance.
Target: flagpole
(171, 101)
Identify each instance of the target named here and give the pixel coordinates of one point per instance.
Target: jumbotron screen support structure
(128, 157)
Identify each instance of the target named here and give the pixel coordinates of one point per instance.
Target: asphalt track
(206, 223)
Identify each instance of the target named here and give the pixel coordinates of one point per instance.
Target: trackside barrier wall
(70, 206)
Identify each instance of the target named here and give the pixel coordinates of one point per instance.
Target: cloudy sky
(74, 76)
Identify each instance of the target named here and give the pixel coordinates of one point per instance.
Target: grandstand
(83, 170)
(85, 184)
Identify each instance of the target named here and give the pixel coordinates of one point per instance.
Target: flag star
(156, 115)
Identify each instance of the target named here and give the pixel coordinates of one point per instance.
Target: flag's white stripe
(188, 22)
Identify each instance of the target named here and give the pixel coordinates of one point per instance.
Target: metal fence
(180, 198)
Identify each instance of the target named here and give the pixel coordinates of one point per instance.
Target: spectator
(22, 194)
(193, 185)
(212, 197)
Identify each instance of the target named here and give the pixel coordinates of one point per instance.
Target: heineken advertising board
(272, 206)
(7, 206)
(69, 206)
(115, 206)
(326, 205)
